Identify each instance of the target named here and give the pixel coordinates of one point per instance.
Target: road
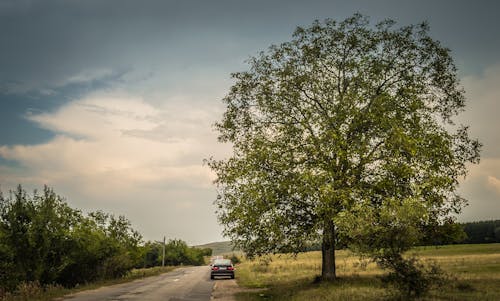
(183, 284)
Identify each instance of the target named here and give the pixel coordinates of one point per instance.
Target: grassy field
(473, 273)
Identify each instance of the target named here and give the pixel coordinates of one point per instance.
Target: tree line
(177, 252)
(44, 240)
(482, 232)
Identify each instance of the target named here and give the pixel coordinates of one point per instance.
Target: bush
(234, 259)
(410, 276)
(45, 242)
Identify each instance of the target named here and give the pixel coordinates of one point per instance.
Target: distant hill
(219, 248)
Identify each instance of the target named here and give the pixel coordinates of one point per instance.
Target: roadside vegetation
(47, 246)
(470, 272)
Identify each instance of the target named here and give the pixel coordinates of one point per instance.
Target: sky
(111, 103)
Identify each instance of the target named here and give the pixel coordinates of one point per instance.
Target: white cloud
(482, 189)
(99, 116)
(114, 151)
(494, 183)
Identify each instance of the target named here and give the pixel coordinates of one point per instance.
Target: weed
(410, 276)
(465, 287)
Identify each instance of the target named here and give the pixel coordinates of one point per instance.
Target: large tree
(345, 131)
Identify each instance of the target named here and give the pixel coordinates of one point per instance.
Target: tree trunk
(328, 252)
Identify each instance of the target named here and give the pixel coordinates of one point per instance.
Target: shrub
(409, 276)
(235, 259)
(43, 241)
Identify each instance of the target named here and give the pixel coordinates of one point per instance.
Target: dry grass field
(472, 273)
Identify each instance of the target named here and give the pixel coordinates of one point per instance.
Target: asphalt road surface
(183, 284)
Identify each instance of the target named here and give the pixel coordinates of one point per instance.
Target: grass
(34, 292)
(473, 273)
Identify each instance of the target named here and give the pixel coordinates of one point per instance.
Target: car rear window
(224, 262)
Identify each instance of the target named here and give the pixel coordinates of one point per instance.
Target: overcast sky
(111, 102)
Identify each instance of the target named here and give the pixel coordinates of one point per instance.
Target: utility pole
(163, 259)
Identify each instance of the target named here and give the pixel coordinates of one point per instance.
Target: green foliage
(45, 241)
(449, 232)
(411, 277)
(199, 255)
(177, 252)
(35, 236)
(482, 232)
(347, 130)
(234, 259)
(152, 254)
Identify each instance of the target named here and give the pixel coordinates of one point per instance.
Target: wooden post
(163, 258)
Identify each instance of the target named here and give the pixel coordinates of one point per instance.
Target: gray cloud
(483, 107)
(48, 42)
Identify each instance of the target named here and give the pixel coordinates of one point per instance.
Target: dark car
(222, 268)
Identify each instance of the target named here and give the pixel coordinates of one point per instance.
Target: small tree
(344, 132)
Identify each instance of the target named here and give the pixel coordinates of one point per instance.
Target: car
(223, 268)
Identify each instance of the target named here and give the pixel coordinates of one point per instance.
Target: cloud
(482, 189)
(99, 116)
(482, 185)
(114, 151)
(494, 183)
(103, 134)
(483, 103)
(86, 76)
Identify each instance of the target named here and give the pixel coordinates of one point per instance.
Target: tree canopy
(345, 132)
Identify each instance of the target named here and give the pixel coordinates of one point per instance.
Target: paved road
(183, 284)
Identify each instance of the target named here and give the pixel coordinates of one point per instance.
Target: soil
(225, 289)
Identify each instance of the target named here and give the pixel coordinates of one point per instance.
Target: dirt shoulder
(225, 290)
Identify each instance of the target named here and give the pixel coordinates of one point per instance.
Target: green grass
(34, 292)
(473, 273)
(458, 250)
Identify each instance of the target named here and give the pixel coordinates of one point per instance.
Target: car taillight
(215, 268)
(230, 268)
